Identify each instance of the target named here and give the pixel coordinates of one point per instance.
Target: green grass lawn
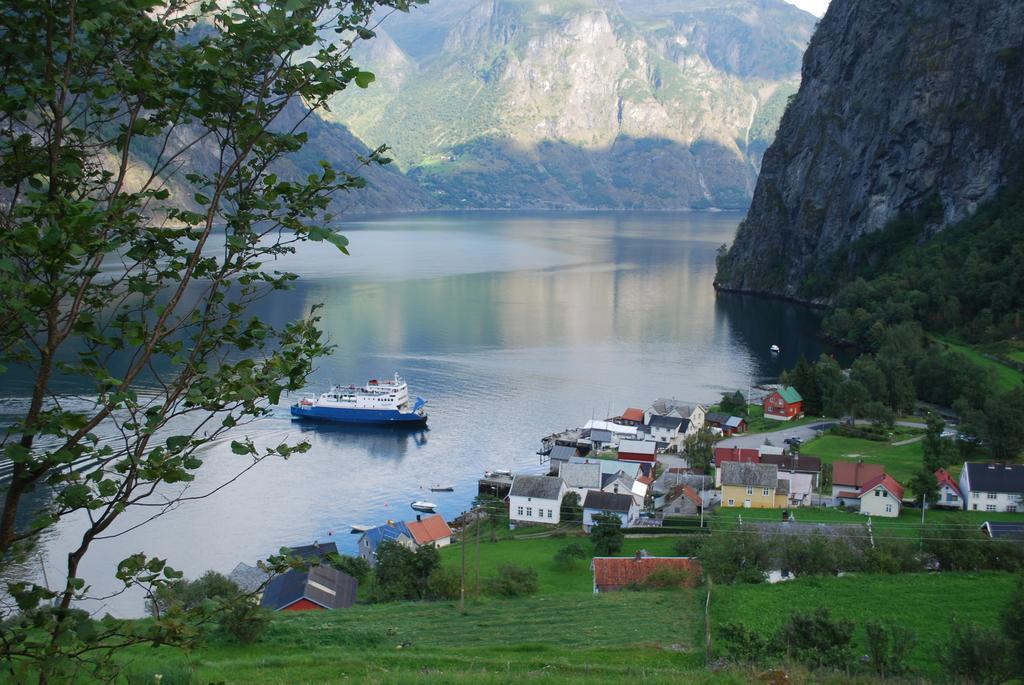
(1006, 378)
(900, 461)
(925, 603)
(907, 524)
(538, 553)
(616, 637)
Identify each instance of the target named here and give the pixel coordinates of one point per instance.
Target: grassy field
(1006, 378)
(923, 602)
(616, 637)
(907, 524)
(538, 553)
(900, 461)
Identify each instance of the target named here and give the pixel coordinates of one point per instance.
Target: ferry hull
(376, 417)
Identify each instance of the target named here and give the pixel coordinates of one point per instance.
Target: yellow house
(753, 486)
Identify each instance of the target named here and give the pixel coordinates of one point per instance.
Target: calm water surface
(511, 325)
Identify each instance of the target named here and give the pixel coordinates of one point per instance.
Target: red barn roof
(633, 414)
(740, 454)
(612, 573)
(886, 481)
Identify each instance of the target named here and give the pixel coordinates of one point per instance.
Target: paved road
(805, 433)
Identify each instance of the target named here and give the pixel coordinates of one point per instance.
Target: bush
(243, 621)
(444, 583)
(190, 594)
(513, 581)
(735, 557)
(888, 647)
(688, 545)
(975, 654)
(565, 558)
(818, 640)
(357, 567)
(746, 645)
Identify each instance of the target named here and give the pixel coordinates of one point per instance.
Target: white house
(665, 428)
(881, 496)
(992, 487)
(597, 502)
(535, 499)
(622, 483)
(949, 492)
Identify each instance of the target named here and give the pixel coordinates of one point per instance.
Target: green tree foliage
(818, 640)
(1003, 427)
(190, 594)
(444, 583)
(811, 554)
(962, 547)
(141, 144)
(733, 403)
(975, 654)
(565, 558)
(925, 485)
(804, 379)
(513, 581)
(242, 621)
(700, 448)
(938, 452)
(606, 534)
(571, 511)
(962, 281)
(1011, 621)
(357, 567)
(889, 645)
(735, 557)
(402, 573)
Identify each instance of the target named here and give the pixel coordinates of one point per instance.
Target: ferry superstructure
(379, 402)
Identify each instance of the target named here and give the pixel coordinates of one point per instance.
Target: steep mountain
(906, 109)
(581, 103)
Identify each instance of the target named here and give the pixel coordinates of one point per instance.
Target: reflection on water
(511, 325)
(386, 442)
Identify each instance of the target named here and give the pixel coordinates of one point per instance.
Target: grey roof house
(322, 587)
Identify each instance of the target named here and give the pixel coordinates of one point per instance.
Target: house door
(746, 504)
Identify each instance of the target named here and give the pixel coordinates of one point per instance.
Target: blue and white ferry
(377, 402)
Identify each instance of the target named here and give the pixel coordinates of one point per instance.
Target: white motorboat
(774, 349)
(437, 487)
(420, 505)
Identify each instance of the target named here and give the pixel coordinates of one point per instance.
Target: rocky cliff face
(582, 103)
(906, 107)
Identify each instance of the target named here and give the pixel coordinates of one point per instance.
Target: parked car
(793, 441)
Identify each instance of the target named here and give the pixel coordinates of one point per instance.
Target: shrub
(746, 645)
(688, 545)
(190, 594)
(243, 621)
(818, 640)
(735, 557)
(975, 654)
(565, 558)
(513, 581)
(357, 567)
(444, 583)
(1012, 621)
(888, 647)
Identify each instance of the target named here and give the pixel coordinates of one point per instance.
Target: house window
(991, 495)
(990, 507)
(888, 508)
(529, 511)
(765, 493)
(974, 495)
(950, 497)
(750, 490)
(549, 513)
(1011, 507)
(732, 502)
(520, 512)
(878, 493)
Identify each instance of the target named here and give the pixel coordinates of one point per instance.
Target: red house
(638, 450)
(784, 404)
(322, 587)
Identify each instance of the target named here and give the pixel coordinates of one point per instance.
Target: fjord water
(511, 325)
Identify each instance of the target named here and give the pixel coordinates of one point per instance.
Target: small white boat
(420, 505)
(360, 528)
(442, 488)
(774, 349)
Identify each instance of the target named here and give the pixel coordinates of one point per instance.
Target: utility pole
(476, 583)
(462, 579)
